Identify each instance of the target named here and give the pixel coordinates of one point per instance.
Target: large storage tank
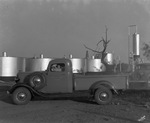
(10, 66)
(136, 44)
(109, 59)
(37, 64)
(78, 65)
(95, 65)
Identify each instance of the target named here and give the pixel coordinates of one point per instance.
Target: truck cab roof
(61, 60)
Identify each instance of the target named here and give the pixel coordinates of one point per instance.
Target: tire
(103, 95)
(37, 81)
(21, 96)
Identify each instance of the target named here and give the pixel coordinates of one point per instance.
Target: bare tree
(101, 54)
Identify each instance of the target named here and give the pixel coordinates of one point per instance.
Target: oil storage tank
(136, 44)
(10, 66)
(95, 65)
(78, 65)
(37, 64)
(109, 59)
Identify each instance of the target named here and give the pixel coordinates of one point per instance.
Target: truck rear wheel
(21, 96)
(103, 95)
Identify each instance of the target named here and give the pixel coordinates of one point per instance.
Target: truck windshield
(57, 67)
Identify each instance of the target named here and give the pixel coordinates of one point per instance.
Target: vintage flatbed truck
(58, 79)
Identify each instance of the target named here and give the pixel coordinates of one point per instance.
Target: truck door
(57, 79)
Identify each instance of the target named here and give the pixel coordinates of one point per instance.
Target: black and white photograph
(74, 61)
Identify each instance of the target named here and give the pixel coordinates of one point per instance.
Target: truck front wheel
(21, 96)
(103, 95)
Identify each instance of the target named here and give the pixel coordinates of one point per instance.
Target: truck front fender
(33, 92)
(104, 83)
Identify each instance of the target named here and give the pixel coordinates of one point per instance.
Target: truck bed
(84, 81)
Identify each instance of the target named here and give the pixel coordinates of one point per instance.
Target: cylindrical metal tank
(136, 44)
(78, 65)
(37, 64)
(109, 58)
(95, 65)
(10, 66)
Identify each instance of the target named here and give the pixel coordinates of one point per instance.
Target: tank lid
(70, 56)
(41, 56)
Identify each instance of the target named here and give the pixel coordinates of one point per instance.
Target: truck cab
(59, 77)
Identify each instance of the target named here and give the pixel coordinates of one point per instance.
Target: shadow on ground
(81, 99)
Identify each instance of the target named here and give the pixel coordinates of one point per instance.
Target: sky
(57, 28)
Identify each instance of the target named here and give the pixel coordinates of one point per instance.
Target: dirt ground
(129, 107)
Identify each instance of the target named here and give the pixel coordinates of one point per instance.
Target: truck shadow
(82, 97)
(76, 99)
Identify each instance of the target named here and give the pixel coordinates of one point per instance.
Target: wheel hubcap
(21, 96)
(37, 80)
(103, 96)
